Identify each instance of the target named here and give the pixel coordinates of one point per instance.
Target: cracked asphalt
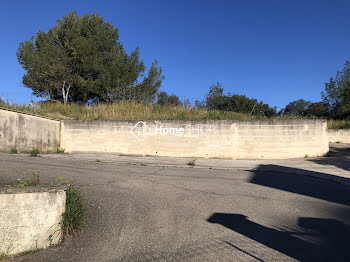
(160, 209)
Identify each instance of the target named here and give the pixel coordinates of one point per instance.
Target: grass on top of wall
(134, 111)
(127, 111)
(338, 124)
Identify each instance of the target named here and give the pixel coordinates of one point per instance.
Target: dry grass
(134, 111)
(338, 124)
(128, 111)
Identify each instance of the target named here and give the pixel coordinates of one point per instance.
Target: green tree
(170, 100)
(216, 100)
(297, 108)
(337, 93)
(319, 109)
(81, 59)
(162, 98)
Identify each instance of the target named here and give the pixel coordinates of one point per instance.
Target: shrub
(60, 150)
(14, 150)
(35, 151)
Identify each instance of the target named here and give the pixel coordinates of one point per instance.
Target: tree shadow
(303, 182)
(332, 236)
(339, 156)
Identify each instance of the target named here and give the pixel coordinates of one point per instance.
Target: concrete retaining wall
(24, 132)
(30, 218)
(339, 136)
(209, 139)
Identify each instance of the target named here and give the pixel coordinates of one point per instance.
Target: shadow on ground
(303, 182)
(330, 237)
(339, 156)
(314, 239)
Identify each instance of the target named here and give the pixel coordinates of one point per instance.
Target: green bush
(14, 150)
(60, 150)
(35, 151)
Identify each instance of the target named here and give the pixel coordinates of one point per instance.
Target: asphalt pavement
(163, 209)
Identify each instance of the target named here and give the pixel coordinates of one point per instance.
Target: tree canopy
(168, 100)
(297, 108)
(337, 93)
(80, 59)
(217, 100)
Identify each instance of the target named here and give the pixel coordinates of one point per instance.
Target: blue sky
(275, 51)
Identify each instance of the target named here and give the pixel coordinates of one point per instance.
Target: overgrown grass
(338, 124)
(72, 217)
(129, 111)
(135, 111)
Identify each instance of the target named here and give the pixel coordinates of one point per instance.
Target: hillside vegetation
(135, 111)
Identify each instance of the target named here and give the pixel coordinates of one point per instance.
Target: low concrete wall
(24, 132)
(30, 218)
(208, 139)
(339, 136)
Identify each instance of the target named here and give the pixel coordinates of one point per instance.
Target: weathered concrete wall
(30, 218)
(209, 139)
(222, 139)
(24, 132)
(339, 136)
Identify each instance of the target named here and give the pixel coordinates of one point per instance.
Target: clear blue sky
(275, 51)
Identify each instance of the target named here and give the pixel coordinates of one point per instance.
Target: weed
(30, 251)
(3, 256)
(60, 150)
(58, 182)
(35, 151)
(306, 156)
(72, 217)
(192, 163)
(98, 160)
(338, 142)
(14, 150)
(32, 180)
(50, 241)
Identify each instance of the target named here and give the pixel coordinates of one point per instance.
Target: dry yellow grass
(338, 124)
(134, 111)
(129, 111)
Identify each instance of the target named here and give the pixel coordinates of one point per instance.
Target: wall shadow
(303, 182)
(332, 236)
(339, 156)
